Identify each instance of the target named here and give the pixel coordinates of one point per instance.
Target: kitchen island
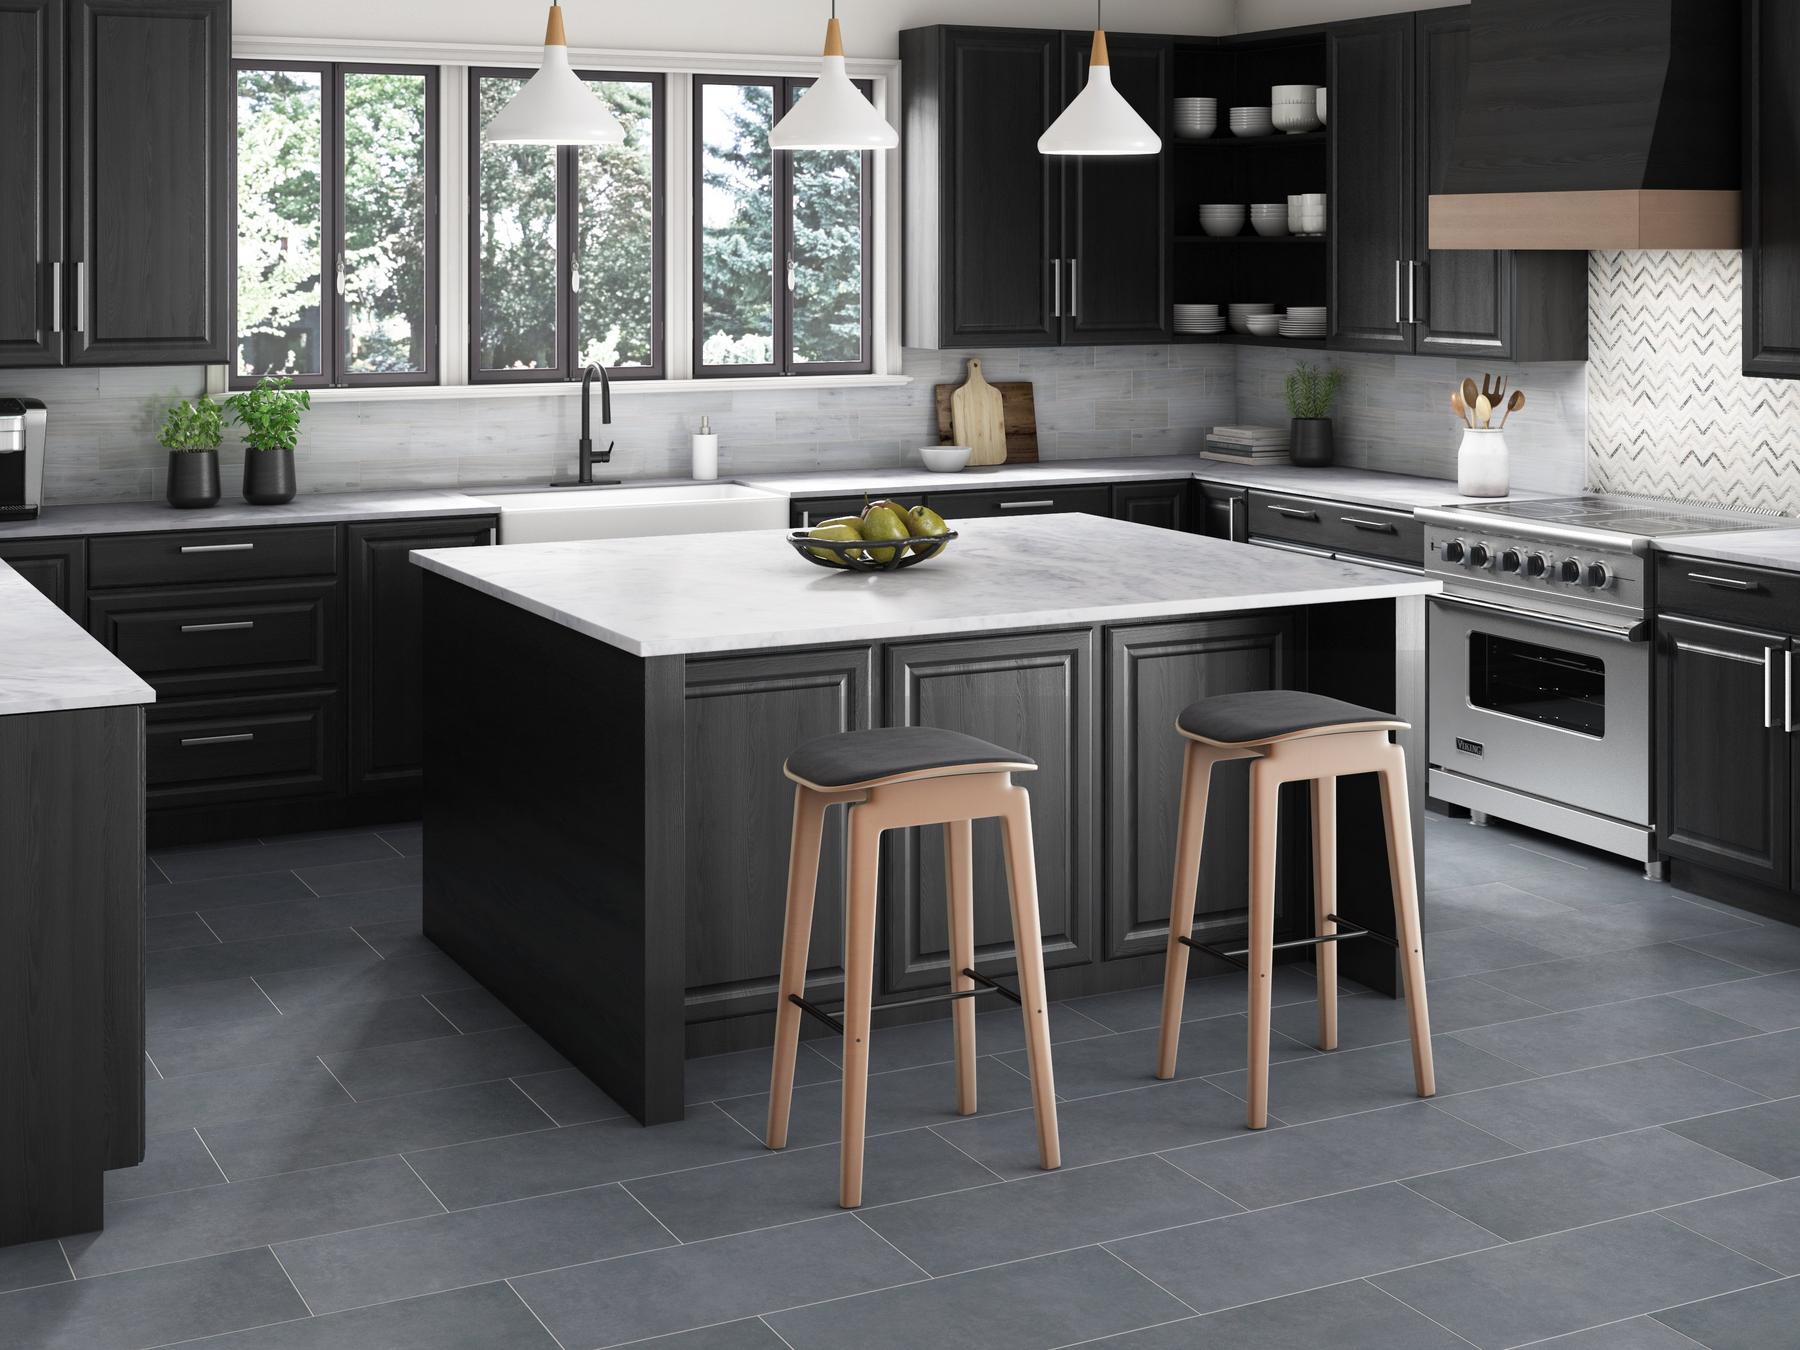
(607, 823)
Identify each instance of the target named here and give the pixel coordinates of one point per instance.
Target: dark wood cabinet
(221, 754)
(57, 567)
(1095, 499)
(1373, 203)
(1224, 512)
(31, 182)
(1771, 189)
(1165, 505)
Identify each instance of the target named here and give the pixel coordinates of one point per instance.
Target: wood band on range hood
(1621, 219)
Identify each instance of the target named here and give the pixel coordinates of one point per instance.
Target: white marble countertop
(55, 522)
(661, 597)
(1779, 549)
(49, 663)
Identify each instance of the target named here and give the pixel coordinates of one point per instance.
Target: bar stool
(1292, 736)
(891, 778)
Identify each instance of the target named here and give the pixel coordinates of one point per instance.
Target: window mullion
(785, 93)
(334, 356)
(568, 270)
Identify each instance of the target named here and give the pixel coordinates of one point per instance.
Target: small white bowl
(945, 458)
(1319, 105)
(1263, 325)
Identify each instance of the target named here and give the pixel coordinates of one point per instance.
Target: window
(565, 243)
(336, 261)
(782, 248)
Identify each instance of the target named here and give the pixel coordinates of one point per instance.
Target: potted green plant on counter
(270, 416)
(191, 433)
(1310, 394)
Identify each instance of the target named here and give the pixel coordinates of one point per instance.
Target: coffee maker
(22, 422)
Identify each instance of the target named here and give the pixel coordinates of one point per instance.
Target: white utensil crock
(1481, 463)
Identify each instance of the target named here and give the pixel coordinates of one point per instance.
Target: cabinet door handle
(1412, 310)
(1056, 288)
(1021, 506)
(1397, 319)
(81, 297)
(1724, 583)
(1787, 693)
(217, 627)
(1768, 665)
(1296, 512)
(231, 739)
(217, 548)
(1378, 526)
(56, 297)
(1074, 290)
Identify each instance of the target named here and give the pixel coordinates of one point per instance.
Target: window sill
(621, 388)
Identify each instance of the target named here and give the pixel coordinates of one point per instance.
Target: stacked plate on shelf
(1196, 118)
(1303, 321)
(1294, 108)
(1221, 220)
(1252, 122)
(1240, 315)
(1198, 319)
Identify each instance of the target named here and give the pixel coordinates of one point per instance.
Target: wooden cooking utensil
(1513, 405)
(1460, 408)
(1484, 411)
(978, 416)
(1470, 393)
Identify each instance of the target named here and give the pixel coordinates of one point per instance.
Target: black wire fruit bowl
(862, 555)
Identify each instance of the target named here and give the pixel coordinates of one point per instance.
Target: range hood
(1595, 124)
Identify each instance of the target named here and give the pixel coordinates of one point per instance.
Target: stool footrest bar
(992, 987)
(1346, 931)
(830, 1016)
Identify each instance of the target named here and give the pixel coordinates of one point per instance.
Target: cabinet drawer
(1728, 591)
(809, 511)
(1022, 501)
(211, 751)
(1391, 535)
(212, 555)
(223, 638)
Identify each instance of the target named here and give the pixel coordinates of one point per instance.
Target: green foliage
(1311, 391)
(270, 413)
(193, 426)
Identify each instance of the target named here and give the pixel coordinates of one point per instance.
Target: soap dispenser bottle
(706, 450)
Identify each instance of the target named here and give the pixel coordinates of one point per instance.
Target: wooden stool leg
(859, 984)
(796, 937)
(1324, 814)
(1196, 778)
(1265, 811)
(959, 866)
(1397, 809)
(1021, 869)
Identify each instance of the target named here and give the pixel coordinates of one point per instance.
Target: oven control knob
(1511, 560)
(1599, 576)
(1570, 571)
(1454, 550)
(1480, 556)
(1537, 565)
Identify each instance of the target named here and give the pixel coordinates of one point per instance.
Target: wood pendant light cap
(1098, 56)
(553, 31)
(834, 38)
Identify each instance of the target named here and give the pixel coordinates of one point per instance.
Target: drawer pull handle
(1379, 526)
(1727, 583)
(217, 627)
(217, 548)
(1020, 506)
(1298, 513)
(231, 739)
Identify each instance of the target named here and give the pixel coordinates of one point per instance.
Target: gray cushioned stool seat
(852, 757)
(1260, 715)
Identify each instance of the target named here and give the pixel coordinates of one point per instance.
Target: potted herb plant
(1310, 394)
(191, 432)
(270, 416)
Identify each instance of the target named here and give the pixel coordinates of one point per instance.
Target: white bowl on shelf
(1294, 119)
(1242, 314)
(1319, 105)
(945, 458)
(1222, 220)
(1270, 225)
(1251, 122)
(1263, 325)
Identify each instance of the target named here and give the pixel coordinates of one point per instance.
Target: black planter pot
(268, 477)
(193, 478)
(1309, 442)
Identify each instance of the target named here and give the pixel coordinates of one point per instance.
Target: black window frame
(787, 89)
(332, 314)
(568, 161)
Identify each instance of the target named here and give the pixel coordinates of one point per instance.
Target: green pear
(843, 528)
(882, 522)
(906, 516)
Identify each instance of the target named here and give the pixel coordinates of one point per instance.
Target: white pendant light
(554, 107)
(833, 114)
(1099, 121)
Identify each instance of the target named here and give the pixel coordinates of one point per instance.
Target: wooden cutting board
(978, 418)
(1019, 415)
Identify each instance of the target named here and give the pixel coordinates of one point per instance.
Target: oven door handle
(1638, 632)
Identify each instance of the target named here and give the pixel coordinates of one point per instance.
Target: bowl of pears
(886, 536)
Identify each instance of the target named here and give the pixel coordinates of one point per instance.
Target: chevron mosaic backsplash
(1670, 412)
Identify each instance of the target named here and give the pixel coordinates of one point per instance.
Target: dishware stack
(1196, 118)
(1303, 321)
(1269, 219)
(1198, 319)
(1306, 214)
(1247, 445)
(1221, 220)
(1294, 108)
(1240, 315)
(1263, 325)
(1252, 122)
(1319, 104)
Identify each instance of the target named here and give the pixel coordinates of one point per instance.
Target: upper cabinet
(114, 252)
(1771, 190)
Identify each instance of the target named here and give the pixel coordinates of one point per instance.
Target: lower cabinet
(57, 567)
(257, 748)
(1165, 505)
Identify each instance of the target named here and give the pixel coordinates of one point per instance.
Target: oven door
(1544, 705)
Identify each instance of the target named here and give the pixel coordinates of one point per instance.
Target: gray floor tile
(310, 915)
(717, 1281)
(398, 941)
(1586, 1104)
(1763, 1224)
(1101, 1129)
(1376, 1019)
(1751, 1319)
(1766, 1136)
(1029, 1305)
(183, 1225)
(239, 1094)
(1767, 1064)
(224, 960)
(486, 1317)
(1768, 1003)
(569, 1097)
(169, 932)
(216, 1003)
(1635, 1333)
(1213, 996)
(1298, 1162)
(802, 1183)
(1581, 1039)
(292, 990)
(1050, 1212)
(1127, 1059)
(1350, 1316)
(1471, 951)
(336, 1134)
(1585, 981)
(474, 1009)
(1775, 947)
(29, 1264)
(1290, 1248)
(407, 839)
(258, 888)
(1574, 1280)
(1445, 908)
(1362, 1080)
(238, 860)
(295, 1037)
(750, 1334)
(1576, 1184)
(448, 1251)
(422, 1065)
(150, 1307)
(997, 1032)
(1608, 928)
(579, 1155)
(714, 1078)
(175, 1161)
(378, 874)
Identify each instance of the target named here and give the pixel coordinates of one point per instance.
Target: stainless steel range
(1540, 661)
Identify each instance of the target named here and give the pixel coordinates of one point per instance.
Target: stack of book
(1247, 445)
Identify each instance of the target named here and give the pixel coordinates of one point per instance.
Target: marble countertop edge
(50, 663)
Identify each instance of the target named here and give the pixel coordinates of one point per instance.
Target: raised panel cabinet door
(1037, 693)
(1373, 208)
(31, 190)
(1164, 505)
(386, 645)
(1724, 761)
(745, 716)
(1771, 190)
(149, 181)
(57, 567)
(1225, 512)
(1115, 208)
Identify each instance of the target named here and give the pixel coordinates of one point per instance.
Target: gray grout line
(858, 1216)
(66, 1261)
(778, 1336)
(365, 942)
(426, 1184)
(1667, 1307)
(209, 1153)
(304, 882)
(265, 993)
(534, 1315)
(208, 927)
(1128, 1331)
(448, 1018)
(1140, 1274)
(638, 1200)
(159, 871)
(965, 1152)
(1427, 1316)
(290, 1280)
(351, 1095)
(554, 1122)
(152, 1063)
